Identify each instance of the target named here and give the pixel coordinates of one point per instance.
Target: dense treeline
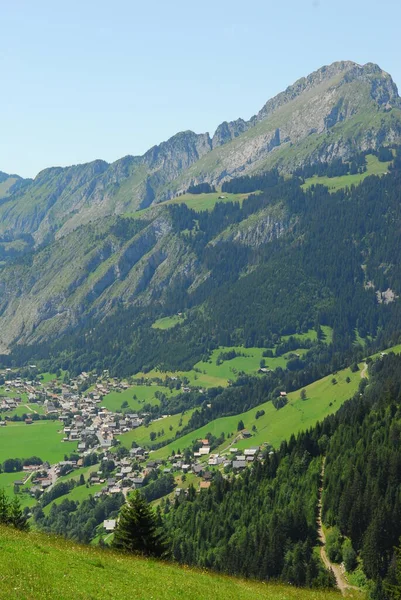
(363, 471)
(251, 183)
(260, 524)
(201, 188)
(263, 523)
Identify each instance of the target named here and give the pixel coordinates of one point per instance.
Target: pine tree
(4, 508)
(17, 517)
(137, 529)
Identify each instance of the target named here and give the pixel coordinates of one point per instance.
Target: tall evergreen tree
(4, 508)
(17, 517)
(137, 529)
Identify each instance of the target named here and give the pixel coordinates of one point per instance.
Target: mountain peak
(336, 74)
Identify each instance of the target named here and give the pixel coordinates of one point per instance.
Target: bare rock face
(228, 131)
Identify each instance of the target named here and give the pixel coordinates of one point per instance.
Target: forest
(262, 523)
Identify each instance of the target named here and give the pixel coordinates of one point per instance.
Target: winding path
(364, 372)
(341, 581)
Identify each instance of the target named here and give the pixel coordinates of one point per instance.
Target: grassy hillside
(145, 394)
(322, 398)
(39, 566)
(169, 425)
(210, 374)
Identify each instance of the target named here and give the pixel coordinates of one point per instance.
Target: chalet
(239, 464)
(246, 434)
(197, 469)
(204, 485)
(109, 524)
(137, 482)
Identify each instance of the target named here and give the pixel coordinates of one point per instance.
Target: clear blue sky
(98, 79)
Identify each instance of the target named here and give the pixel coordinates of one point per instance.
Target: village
(94, 431)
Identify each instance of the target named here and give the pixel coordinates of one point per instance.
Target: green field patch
(42, 438)
(47, 377)
(168, 322)
(248, 362)
(206, 374)
(23, 409)
(77, 494)
(141, 435)
(36, 565)
(145, 394)
(373, 165)
(201, 202)
(312, 335)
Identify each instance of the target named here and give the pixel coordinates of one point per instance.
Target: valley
(205, 340)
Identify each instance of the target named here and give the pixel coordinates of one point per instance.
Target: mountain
(79, 259)
(337, 111)
(243, 273)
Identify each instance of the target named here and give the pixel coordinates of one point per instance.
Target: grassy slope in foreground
(45, 567)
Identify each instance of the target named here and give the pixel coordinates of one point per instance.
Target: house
(204, 485)
(109, 524)
(137, 482)
(251, 452)
(197, 469)
(246, 433)
(239, 464)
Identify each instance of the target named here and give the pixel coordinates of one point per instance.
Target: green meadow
(145, 394)
(23, 409)
(77, 494)
(35, 565)
(210, 374)
(141, 435)
(201, 202)
(374, 167)
(168, 322)
(42, 438)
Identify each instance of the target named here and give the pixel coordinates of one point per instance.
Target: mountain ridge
(334, 112)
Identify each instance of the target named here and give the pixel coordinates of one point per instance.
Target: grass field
(323, 398)
(201, 202)
(42, 439)
(141, 435)
(35, 566)
(145, 394)
(25, 409)
(374, 167)
(248, 363)
(168, 322)
(312, 335)
(77, 494)
(208, 374)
